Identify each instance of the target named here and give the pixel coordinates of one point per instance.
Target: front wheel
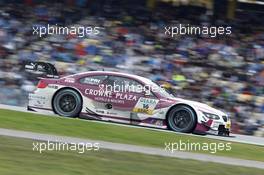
(182, 118)
(67, 103)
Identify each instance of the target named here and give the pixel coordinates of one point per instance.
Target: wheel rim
(67, 103)
(181, 119)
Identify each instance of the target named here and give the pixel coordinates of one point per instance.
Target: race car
(121, 97)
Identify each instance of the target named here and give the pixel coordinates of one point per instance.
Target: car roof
(132, 76)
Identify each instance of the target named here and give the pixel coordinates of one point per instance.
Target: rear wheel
(182, 118)
(67, 103)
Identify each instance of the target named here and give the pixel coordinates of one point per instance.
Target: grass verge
(114, 133)
(18, 158)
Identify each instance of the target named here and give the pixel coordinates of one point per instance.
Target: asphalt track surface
(233, 137)
(133, 148)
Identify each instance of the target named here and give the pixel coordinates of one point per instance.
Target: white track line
(234, 137)
(133, 148)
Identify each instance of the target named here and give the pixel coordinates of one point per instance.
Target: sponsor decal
(145, 105)
(156, 122)
(94, 80)
(215, 124)
(34, 67)
(128, 97)
(109, 100)
(100, 111)
(159, 123)
(228, 125)
(109, 96)
(69, 80)
(111, 113)
(53, 86)
(31, 66)
(37, 101)
(100, 93)
(36, 97)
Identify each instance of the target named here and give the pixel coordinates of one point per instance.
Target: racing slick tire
(67, 103)
(182, 118)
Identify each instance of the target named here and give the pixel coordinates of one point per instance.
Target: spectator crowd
(226, 72)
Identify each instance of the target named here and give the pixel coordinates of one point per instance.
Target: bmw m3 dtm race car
(121, 97)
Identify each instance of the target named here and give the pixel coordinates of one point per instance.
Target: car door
(117, 98)
(124, 97)
(93, 101)
(131, 99)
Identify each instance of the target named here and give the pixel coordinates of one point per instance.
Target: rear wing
(42, 69)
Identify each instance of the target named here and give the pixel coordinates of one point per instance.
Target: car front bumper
(214, 127)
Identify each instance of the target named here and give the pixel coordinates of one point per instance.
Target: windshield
(154, 87)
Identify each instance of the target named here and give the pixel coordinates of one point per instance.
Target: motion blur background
(226, 72)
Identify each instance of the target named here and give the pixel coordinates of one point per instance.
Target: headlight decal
(225, 118)
(211, 116)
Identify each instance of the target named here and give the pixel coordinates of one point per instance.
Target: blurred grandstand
(225, 72)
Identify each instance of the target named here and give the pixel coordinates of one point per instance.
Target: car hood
(199, 106)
